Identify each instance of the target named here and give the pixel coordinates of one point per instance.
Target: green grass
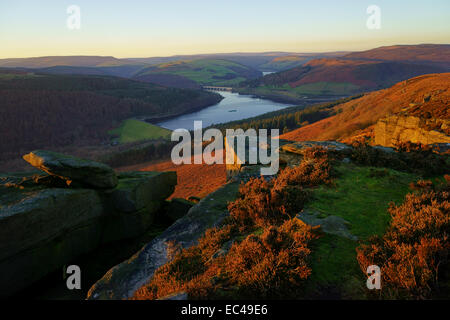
(369, 191)
(132, 130)
(361, 195)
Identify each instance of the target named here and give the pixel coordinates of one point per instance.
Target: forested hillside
(44, 111)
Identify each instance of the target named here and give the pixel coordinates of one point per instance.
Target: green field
(132, 130)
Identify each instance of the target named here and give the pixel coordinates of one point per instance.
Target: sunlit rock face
(394, 129)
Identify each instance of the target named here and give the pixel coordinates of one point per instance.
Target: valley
(363, 155)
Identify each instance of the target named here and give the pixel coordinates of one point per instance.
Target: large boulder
(42, 229)
(46, 224)
(90, 173)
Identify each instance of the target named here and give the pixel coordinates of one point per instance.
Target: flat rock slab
(90, 173)
(331, 224)
(299, 147)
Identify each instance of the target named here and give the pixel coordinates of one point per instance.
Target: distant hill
(42, 111)
(344, 76)
(262, 61)
(428, 94)
(81, 65)
(430, 54)
(124, 71)
(286, 62)
(203, 72)
(73, 61)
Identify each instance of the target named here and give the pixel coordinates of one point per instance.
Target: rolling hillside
(430, 93)
(262, 61)
(335, 78)
(286, 62)
(202, 72)
(350, 74)
(431, 54)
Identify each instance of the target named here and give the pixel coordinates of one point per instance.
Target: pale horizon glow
(140, 29)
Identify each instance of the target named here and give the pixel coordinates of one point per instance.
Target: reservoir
(232, 107)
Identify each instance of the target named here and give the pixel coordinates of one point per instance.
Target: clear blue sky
(143, 28)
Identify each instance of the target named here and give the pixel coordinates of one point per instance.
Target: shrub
(269, 254)
(415, 248)
(271, 265)
(423, 161)
(421, 185)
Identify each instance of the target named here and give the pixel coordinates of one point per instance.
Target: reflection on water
(232, 107)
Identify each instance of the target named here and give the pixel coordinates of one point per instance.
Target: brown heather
(268, 255)
(413, 254)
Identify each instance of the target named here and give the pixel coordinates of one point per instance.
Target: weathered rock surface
(41, 230)
(138, 190)
(290, 151)
(123, 280)
(87, 172)
(45, 226)
(330, 224)
(394, 129)
(299, 147)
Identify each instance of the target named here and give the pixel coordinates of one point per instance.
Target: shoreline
(155, 119)
(287, 100)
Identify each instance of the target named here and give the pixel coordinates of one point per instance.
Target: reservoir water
(232, 107)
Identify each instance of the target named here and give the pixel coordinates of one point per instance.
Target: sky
(146, 28)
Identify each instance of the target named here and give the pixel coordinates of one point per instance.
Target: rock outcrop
(398, 128)
(123, 280)
(87, 172)
(46, 223)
